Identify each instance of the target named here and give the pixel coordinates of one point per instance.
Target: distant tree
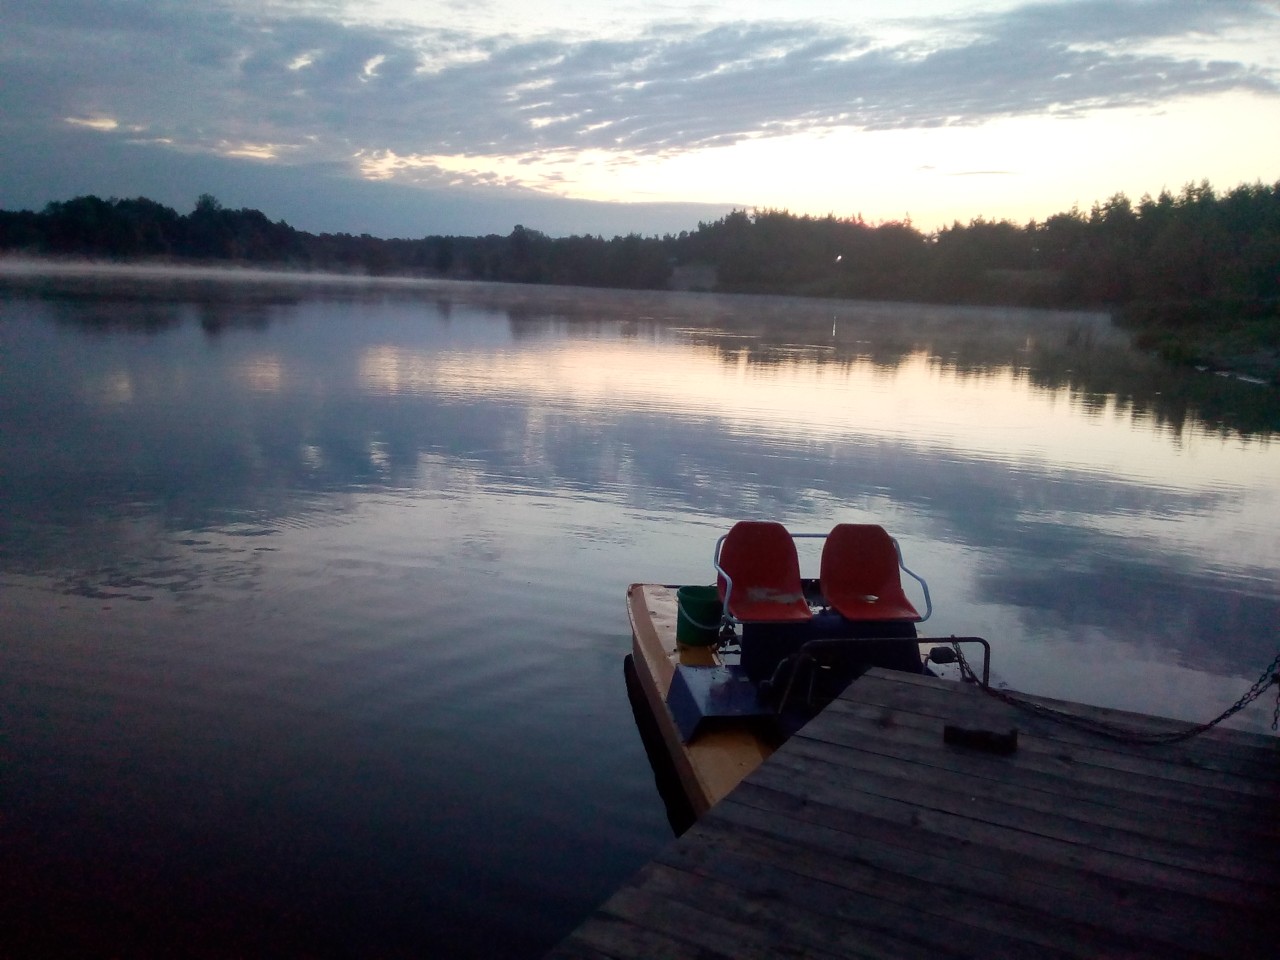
(1192, 257)
(21, 230)
(207, 235)
(153, 227)
(524, 256)
(444, 255)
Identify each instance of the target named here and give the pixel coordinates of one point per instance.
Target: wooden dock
(866, 835)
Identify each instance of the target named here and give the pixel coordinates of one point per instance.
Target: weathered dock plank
(1080, 770)
(866, 835)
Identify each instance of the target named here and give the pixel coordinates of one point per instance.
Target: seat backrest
(859, 574)
(760, 559)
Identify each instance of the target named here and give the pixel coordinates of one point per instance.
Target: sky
(410, 118)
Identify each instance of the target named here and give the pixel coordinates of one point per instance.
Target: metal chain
(1269, 676)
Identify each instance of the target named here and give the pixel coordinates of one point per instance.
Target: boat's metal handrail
(920, 641)
(729, 619)
(928, 601)
(953, 640)
(726, 618)
(806, 652)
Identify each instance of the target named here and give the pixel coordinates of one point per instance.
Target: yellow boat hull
(716, 760)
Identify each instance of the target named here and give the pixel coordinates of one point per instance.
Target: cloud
(318, 197)
(1110, 22)
(207, 75)
(311, 86)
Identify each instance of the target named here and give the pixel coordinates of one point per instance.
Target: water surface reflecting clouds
(312, 591)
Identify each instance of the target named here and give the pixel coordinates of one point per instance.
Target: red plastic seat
(859, 574)
(760, 560)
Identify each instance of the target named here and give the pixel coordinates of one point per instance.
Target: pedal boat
(729, 672)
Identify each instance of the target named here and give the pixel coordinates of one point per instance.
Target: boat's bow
(715, 759)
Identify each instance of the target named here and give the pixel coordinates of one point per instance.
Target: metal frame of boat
(718, 719)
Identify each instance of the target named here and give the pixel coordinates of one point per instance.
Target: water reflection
(376, 537)
(1079, 352)
(740, 418)
(263, 373)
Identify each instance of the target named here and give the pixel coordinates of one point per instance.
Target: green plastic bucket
(698, 620)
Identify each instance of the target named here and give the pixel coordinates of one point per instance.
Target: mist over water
(311, 589)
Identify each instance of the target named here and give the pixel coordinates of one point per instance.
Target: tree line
(1164, 262)
(139, 228)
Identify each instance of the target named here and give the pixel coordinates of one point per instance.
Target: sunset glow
(994, 413)
(373, 117)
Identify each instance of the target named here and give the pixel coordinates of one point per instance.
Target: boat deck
(866, 835)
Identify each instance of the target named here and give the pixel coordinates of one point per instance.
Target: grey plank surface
(866, 835)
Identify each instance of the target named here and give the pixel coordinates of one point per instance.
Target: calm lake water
(311, 591)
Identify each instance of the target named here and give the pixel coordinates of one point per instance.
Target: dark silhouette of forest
(1196, 273)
